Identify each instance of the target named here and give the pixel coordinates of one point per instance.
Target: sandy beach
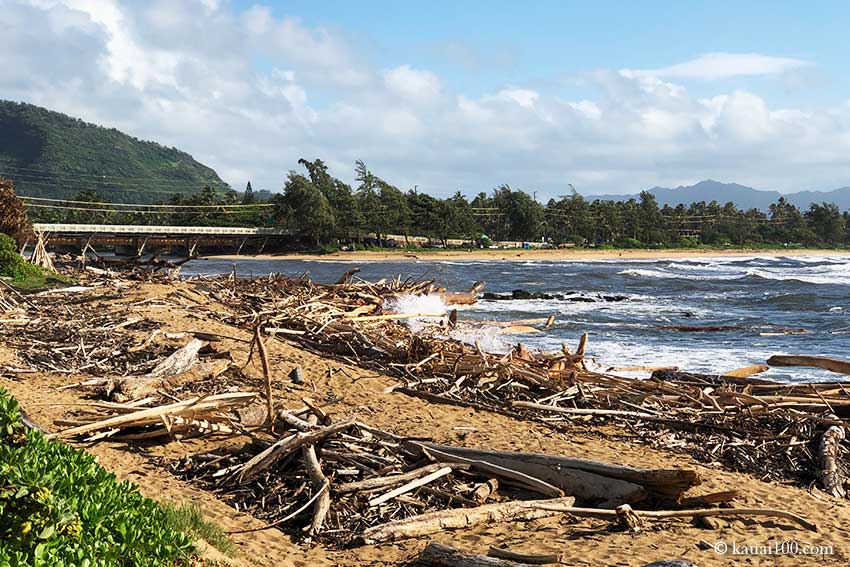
(563, 255)
(351, 391)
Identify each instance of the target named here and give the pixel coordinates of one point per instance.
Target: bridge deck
(107, 229)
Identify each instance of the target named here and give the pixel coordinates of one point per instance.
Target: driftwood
(485, 490)
(410, 486)
(831, 364)
(385, 481)
(528, 481)
(747, 371)
(524, 558)
(178, 364)
(586, 480)
(320, 484)
(193, 408)
(435, 522)
(662, 514)
(830, 474)
(284, 447)
(439, 555)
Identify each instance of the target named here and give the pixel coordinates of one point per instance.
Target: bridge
(133, 239)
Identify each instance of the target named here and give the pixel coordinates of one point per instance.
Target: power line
(95, 176)
(129, 185)
(257, 205)
(96, 189)
(134, 211)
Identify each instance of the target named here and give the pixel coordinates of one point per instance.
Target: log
(397, 316)
(435, 522)
(586, 480)
(528, 481)
(830, 474)
(459, 298)
(262, 461)
(320, 485)
(524, 558)
(831, 364)
(179, 363)
(747, 371)
(439, 555)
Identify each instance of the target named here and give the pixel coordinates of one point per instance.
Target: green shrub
(12, 265)
(58, 507)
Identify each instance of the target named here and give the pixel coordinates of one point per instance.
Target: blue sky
(481, 46)
(611, 97)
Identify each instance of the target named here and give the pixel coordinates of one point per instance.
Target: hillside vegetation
(49, 154)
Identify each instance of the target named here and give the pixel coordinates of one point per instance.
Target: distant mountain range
(48, 154)
(744, 197)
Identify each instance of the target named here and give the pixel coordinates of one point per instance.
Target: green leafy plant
(58, 507)
(189, 519)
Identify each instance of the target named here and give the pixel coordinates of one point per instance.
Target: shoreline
(565, 255)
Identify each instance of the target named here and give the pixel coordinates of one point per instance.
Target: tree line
(325, 210)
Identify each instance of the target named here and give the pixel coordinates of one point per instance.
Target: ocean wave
(663, 274)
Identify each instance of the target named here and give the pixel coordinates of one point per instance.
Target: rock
(296, 375)
(707, 523)
(670, 563)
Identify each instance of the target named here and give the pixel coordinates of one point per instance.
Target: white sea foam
(413, 304)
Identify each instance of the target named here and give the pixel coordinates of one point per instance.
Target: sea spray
(413, 304)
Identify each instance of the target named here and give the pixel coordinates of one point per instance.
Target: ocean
(625, 305)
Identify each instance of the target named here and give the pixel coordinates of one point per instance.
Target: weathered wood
(485, 490)
(262, 461)
(587, 480)
(384, 481)
(830, 473)
(412, 485)
(435, 522)
(524, 558)
(320, 484)
(746, 371)
(723, 512)
(164, 374)
(195, 407)
(831, 364)
(529, 481)
(439, 555)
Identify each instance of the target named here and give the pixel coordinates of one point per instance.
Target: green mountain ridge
(51, 155)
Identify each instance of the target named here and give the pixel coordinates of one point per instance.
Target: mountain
(48, 154)
(744, 197)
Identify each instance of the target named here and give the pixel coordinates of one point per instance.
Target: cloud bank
(249, 93)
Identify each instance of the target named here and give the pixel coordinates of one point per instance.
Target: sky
(606, 97)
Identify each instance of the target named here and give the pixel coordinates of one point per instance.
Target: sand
(584, 542)
(564, 255)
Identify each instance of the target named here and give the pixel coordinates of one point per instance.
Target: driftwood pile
(770, 429)
(60, 332)
(346, 483)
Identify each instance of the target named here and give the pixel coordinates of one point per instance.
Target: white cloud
(720, 65)
(249, 93)
(523, 97)
(412, 84)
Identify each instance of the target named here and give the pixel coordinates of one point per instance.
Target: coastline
(564, 255)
